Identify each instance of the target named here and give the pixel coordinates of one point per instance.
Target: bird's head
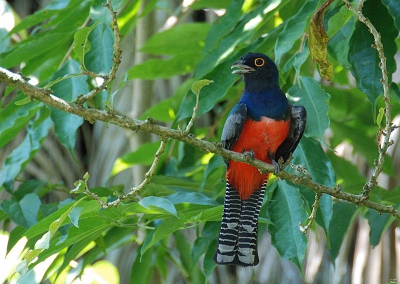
(256, 67)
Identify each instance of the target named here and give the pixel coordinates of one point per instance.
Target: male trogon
(266, 126)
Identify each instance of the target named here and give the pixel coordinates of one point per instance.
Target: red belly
(261, 137)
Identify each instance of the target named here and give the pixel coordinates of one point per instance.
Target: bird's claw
(275, 164)
(249, 154)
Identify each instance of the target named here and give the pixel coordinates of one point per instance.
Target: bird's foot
(275, 164)
(249, 154)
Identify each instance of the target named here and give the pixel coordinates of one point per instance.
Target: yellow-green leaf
(198, 85)
(318, 41)
(81, 42)
(380, 116)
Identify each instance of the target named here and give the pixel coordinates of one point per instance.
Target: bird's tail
(237, 243)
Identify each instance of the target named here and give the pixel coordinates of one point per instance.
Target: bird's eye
(259, 62)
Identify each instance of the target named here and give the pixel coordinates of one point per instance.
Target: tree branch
(91, 115)
(389, 127)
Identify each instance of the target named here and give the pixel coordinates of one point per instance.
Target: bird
(264, 126)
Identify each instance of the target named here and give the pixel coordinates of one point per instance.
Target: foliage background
(168, 232)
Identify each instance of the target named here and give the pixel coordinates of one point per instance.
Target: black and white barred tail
(237, 243)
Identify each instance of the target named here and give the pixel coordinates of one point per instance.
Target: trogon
(264, 125)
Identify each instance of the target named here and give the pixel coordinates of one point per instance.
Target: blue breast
(270, 103)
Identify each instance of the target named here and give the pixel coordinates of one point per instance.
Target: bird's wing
(233, 125)
(297, 127)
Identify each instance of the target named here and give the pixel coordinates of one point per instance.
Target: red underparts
(262, 138)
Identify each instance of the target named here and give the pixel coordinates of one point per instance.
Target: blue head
(262, 93)
(258, 70)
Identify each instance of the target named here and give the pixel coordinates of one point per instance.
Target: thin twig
(193, 118)
(386, 143)
(107, 79)
(313, 214)
(146, 180)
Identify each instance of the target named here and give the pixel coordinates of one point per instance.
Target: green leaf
(297, 61)
(81, 42)
(217, 41)
(343, 215)
(114, 238)
(308, 93)
(186, 38)
(89, 230)
(363, 143)
(74, 215)
(198, 85)
(23, 213)
(24, 101)
(378, 223)
(13, 118)
(201, 244)
(234, 29)
(159, 190)
(167, 227)
(223, 79)
(33, 47)
(163, 68)
(364, 58)
(191, 198)
(215, 165)
(66, 124)
(293, 29)
(30, 205)
(211, 214)
(286, 210)
(55, 8)
(142, 267)
(144, 155)
(184, 248)
(60, 217)
(31, 186)
(338, 20)
(207, 4)
(177, 182)
(310, 155)
(163, 111)
(386, 197)
(208, 263)
(393, 7)
(36, 133)
(99, 58)
(338, 45)
(158, 204)
(348, 176)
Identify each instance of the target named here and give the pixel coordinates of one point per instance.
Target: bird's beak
(243, 68)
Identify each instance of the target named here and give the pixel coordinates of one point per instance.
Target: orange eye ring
(259, 62)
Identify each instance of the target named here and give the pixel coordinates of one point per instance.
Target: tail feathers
(227, 243)
(237, 242)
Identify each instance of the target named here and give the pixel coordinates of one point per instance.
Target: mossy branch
(91, 115)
